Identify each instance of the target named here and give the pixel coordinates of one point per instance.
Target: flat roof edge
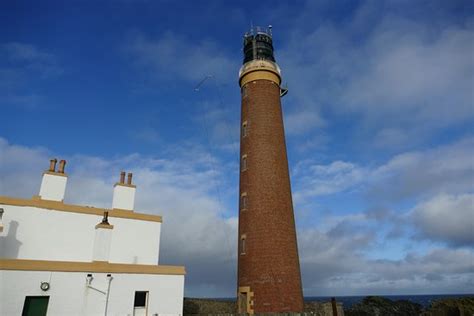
(60, 206)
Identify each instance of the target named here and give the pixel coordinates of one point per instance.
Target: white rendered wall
(137, 242)
(42, 234)
(70, 296)
(124, 197)
(53, 187)
(103, 237)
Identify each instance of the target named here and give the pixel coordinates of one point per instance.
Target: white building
(62, 259)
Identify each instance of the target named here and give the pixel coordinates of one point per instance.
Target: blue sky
(378, 121)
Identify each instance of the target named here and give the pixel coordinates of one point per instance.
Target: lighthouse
(269, 278)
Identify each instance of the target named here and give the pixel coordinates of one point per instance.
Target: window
(243, 244)
(243, 165)
(141, 299)
(244, 92)
(244, 129)
(243, 201)
(35, 306)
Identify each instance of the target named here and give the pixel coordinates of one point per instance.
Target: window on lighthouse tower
(243, 165)
(244, 92)
(242, 244)
(243, 201)
(244, 129)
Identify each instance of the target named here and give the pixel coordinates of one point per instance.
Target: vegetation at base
(196, 306)
(370, 306)
(463, 306)
(379, 306)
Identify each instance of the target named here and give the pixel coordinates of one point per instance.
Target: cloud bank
(199, 233)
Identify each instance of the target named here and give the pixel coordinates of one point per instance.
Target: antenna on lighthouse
(202, 82)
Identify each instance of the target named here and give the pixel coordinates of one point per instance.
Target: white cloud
(415, 75)
(17, 165)
(443, 169)
(302, 122)
(334, 262)
(448, 218)
(447, 168)
(316, 180)
(198, 233)
(437, 181)
(402, 79)
(318, 142)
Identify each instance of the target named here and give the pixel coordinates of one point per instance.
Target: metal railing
(254, 30)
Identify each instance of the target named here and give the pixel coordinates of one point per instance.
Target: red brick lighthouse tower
(269, 279)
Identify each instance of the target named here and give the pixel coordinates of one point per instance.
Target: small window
(141, 298)
(244, 92)
(243, 165)
(35, 306)
(244, 129)
(243, 201)
(243, 244)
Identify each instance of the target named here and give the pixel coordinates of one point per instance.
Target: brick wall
(270, 265)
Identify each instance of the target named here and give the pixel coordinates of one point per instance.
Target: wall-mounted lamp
(89, 279)
(44, 286)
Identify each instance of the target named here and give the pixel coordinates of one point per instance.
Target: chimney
(53, 184)
(103, 238)
(62, 164)
(52, 165)
(124, 193)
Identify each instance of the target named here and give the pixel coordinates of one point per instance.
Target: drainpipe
(106, 293)
(109, 278)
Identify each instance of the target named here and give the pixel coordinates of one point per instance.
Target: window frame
(147, 293)
(243, 245)
(245, 131)
(244, 201)
(244, 92)
(243, 163)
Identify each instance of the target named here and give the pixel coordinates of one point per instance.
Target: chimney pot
(129, 178)
(122, 177)
(52, 165)
(62, 164)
